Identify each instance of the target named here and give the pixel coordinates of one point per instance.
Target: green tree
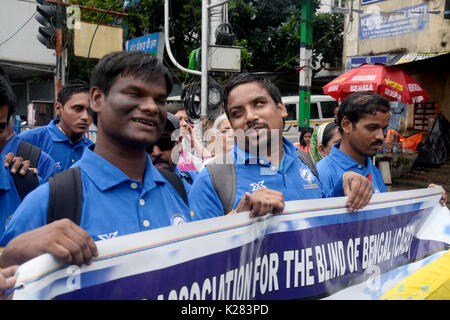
(268, 30)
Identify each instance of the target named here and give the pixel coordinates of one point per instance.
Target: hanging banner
(401, 21)
(314, 249)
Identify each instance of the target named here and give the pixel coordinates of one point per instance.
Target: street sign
(152, 43)
(128, 3)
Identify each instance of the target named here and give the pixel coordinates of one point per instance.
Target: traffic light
(46, 15)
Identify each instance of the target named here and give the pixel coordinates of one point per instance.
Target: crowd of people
(147, 169)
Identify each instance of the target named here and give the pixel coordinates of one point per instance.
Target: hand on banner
(261, 202)
(62, 238)
(7, 281)
(443, 200)
(18, 164)
(358, 189)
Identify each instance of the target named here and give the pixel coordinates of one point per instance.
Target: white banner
(315, 249)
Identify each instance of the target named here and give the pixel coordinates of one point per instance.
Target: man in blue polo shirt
(362, 119)
(64, 138)
(267, 167)
(123, 192)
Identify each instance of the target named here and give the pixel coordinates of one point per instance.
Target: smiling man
(63, 139)
(122, 191)
(266, 166)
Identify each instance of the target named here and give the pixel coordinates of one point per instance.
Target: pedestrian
(193, 153)
(64, 138)
(221, 140)
(362, 119)
(262, 180)
(122, 192)
(165, 152)
(323, 139)
(304, 138)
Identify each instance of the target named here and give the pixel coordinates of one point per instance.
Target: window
(292, 111)
(314, 112)
(328, 108)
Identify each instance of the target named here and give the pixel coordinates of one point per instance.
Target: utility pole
(305, 76)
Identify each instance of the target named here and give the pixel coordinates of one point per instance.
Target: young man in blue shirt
(64, 138)
(267, 166)
(362, 119)
(122, 191)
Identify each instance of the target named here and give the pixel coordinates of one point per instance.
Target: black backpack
(66, 193)
(223, 178)
(27, 183)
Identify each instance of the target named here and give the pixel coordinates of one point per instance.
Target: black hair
(7, 96)
(244, 78)
(174, 107)
(328, 133)
(70, 88)
(139, 64)
(302, 131)
(359, 103)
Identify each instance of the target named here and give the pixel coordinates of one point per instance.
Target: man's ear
(346, 125)
(283, 109)
(96, 98)
(58, 108)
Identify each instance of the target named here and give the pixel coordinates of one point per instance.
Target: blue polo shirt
(46, 165)
(113, 204)
(55, 142)
(332, 167)
(295, 180)
(9, 198)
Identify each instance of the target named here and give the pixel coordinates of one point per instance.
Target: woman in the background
(323, 139)
(193, 152)
(223, 141)
(304, 138)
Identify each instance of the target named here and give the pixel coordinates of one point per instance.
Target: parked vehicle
(322, 107)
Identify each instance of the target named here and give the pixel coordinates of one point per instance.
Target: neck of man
(346, 148)
(74, 137)
(131, 160)
(274, 151)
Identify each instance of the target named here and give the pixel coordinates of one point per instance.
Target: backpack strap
(223, 178)
(65, 199)
(175, 181)
(27, 183)
(308, 161)
(29, 152)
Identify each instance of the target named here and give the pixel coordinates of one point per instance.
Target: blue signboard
(152, 43)
(402, 21)
(357, 61)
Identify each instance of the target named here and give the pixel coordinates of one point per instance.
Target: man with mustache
(122, 191)
(267, 167)
(362, 118)
(63, 139)
(165, 152)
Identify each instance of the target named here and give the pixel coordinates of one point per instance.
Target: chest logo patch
(257, 185)
(177, 218)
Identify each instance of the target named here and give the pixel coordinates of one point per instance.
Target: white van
(322, 110)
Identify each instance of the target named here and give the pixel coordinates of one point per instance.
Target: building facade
(411, 34)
